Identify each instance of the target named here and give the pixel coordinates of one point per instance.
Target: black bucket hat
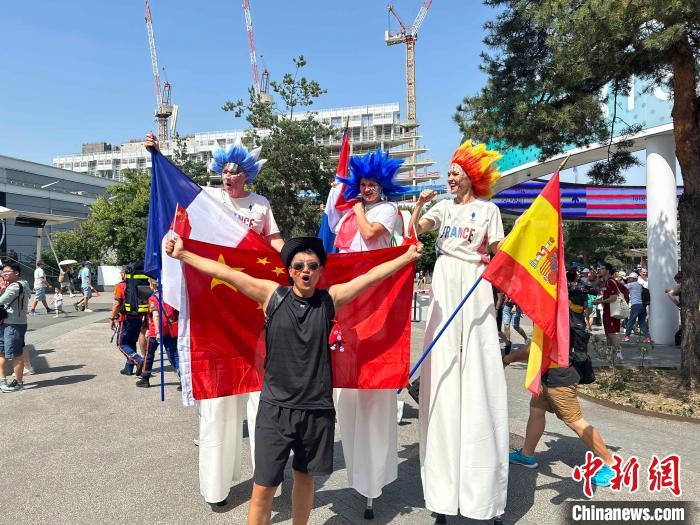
(297, 244)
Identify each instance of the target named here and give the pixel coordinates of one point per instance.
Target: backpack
(646, 297)
(19, 299)
(136, 290)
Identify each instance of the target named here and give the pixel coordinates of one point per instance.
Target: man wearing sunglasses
(296, 405)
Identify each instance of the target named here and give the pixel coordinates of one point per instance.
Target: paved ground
(83, 445)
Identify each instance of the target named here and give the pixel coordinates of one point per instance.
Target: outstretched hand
(175, 248)
(152, 141)
(426, 196)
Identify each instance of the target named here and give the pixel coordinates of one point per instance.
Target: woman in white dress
(463, 405)
(367, 418)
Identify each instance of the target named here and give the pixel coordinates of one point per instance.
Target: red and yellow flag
(529, 268)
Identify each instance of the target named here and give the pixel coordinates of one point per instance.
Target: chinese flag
(227, 329)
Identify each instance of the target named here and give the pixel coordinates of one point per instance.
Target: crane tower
(260, 86)
(409, 36)
(163, 106)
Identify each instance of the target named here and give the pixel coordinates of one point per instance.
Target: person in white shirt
(463, 406)
(368, 417)
(40, 285)
(221, 419)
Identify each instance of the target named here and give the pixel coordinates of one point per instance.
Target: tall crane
(260, 86)
(163, 106)
(408, 36)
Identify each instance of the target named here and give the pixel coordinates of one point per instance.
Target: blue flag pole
(444, 327)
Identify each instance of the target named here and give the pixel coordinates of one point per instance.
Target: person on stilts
(463, 407)
(368, 418)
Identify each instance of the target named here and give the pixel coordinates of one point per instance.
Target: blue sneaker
(518, 458)
(603, 476)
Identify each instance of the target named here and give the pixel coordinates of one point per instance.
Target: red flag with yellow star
(226, 329)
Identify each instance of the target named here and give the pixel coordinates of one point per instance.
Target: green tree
(589, 242)
(190, 166)
(549, 61)
(296, 178)
(115, 232)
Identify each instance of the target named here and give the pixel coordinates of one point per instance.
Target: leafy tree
(115, 232)
(297, 174)
(190, 166)
(549, 61)
(589, 242)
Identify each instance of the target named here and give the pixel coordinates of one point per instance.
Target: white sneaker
(399, 411)
(28, 370)
(87, 310)
(619, 357)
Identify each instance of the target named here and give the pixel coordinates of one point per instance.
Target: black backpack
(19, 299)
(137, 290)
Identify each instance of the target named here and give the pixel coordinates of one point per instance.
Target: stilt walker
(368, 418)
(221, 419)
(463, 408)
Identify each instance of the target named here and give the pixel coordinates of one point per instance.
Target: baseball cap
(634, 275)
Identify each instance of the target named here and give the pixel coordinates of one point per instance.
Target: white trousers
(368, 431)
(463, 399)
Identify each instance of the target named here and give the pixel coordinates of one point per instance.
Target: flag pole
(444, 327)
(563, 162)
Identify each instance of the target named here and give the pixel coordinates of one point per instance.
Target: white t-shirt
(254, 210)
(466, 230)
(384, 213)
(644, 282)
(39, 278)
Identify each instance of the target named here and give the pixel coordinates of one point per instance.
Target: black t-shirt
(298, 371)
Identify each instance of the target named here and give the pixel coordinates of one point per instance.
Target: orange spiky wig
(479, 165)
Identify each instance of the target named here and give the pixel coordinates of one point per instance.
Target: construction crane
(260, 86)
(408, 36)
(163, 106)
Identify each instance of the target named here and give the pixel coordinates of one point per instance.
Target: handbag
(585, 371)
(619, 309)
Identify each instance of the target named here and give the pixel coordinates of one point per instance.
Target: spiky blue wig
(374, 165)
(237, 153)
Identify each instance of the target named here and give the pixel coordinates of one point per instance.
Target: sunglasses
(299, 266)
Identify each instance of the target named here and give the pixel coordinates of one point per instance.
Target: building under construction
(369, 127)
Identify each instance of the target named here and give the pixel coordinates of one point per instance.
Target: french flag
(178, 205)
(336, 203)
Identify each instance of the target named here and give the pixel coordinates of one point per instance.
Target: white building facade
(369, 127)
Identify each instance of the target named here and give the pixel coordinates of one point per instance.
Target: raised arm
(346, 292)
(259, 290)
(421, 225)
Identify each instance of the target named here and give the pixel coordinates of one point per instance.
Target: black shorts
(279, 430)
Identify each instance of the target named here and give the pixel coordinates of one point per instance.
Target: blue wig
(238, 154)
(376, 166)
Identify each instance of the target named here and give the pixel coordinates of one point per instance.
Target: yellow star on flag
(216, 282)
(278, 270)
(263, 261)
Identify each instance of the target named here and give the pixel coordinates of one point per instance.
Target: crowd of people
(463, 416)
(16, 304)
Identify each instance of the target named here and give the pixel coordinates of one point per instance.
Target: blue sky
(80, 71)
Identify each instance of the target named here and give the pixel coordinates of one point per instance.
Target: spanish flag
(529, 268)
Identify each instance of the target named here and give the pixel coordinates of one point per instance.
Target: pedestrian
(40, 285)
(643, 277)
(168, 336)
(86, 287)
(558, 395)
(368, 418)
(295, 412)
(127, 322)
(221, 419)
(638, 311)
(463, 409)
(57, 302)
(611, 291)
(512, 314)
(14, 327)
